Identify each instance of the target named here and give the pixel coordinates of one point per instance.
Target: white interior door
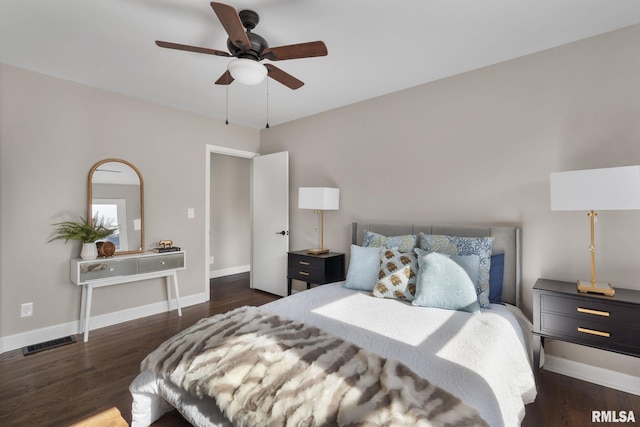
(270, 199)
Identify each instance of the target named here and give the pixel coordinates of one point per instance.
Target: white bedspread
(481, 358)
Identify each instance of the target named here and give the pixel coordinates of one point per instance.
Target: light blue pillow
(470, 263)
(443, 283)
(454, 245)
(404, 243)
(364, 266)
(471, 266)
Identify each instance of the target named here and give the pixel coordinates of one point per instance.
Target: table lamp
(589, 190)
(319, 199)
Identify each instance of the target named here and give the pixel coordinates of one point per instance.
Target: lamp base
(586, 286)
(317, 251)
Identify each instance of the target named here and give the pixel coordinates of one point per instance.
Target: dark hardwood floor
(64, 385)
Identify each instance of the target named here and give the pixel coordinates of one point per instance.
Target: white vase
(89, 251)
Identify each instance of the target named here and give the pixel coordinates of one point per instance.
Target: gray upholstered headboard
(506, 240)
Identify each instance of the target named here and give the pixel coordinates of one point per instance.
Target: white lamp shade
(247, 71)
(596, 189)
(319, 198)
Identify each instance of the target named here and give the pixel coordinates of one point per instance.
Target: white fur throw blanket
(264, 370)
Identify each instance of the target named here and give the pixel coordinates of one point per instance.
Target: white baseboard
(12, 342)
(593, 374)
(229, 271)
(36, 336)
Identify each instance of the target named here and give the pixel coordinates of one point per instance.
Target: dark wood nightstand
(609, 323)
(315, 269)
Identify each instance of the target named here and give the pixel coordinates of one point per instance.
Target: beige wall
(51, 133)
(230, 211)
(479, 148)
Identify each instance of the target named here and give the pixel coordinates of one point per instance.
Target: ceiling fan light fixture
(247, 71)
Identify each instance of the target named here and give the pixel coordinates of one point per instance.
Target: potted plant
(88, 232)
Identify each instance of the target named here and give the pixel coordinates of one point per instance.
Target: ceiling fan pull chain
(267, 103)
(226, 118)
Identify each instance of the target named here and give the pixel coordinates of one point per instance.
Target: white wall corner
(593, 374)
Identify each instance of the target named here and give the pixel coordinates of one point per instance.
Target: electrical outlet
(211, 260)
(26, 309)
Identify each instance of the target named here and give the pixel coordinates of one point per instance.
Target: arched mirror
(116, 193)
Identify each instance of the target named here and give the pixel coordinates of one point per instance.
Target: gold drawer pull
(592, 332)
(596, 312)
(304, 263)
(304, 273)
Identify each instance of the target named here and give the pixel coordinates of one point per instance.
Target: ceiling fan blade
(232, 24)
(294, 51)
(283, 77)
(225, 79)
(197, 49)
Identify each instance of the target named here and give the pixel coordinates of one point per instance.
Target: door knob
(284, 233)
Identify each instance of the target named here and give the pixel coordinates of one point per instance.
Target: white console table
(100, 272)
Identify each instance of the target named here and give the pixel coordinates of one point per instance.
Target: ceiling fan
(250, 48)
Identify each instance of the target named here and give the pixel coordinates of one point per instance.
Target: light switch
(191, 213)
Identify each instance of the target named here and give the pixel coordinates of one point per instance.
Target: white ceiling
(374, 47)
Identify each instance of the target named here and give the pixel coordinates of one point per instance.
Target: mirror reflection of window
(114, 213)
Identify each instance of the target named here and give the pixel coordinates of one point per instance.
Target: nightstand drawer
(305, 275)
(588, 308)
(305, 268)
(305, 263)
(594, 332)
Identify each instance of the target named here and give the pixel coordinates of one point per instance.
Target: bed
(479, 363)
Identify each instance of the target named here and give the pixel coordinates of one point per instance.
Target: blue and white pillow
(453, 245)
(406, 243)
(443, 283)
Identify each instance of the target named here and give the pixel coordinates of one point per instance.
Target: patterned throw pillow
(405, 243)
(453, 245)
(397, 276)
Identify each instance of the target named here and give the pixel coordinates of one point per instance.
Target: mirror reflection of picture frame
(117, 185)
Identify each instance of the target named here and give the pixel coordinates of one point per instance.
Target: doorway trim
(214, 149)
